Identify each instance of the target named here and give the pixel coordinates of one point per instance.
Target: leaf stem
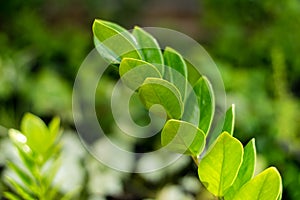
(195, 159)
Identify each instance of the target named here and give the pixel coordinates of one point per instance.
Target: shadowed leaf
(159, 91)
(133, 72)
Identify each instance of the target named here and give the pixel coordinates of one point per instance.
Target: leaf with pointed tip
(265, 186)
(114, 42)
(219, 167)
(149, 48)
(246, 170)
(183, 137)
(54, 128)
(133, 72)
(225, 123)
(206, 104)
(159, 91)
(229, 120)
(176, 70)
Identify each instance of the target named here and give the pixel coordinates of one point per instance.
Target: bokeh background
(254, 43)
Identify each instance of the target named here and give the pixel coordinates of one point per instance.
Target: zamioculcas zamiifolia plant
(225, 167)
(38, 149)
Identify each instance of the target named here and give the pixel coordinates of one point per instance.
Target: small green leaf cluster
(38, 149)
(164, 77)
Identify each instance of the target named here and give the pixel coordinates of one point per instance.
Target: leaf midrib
(262, 186)
(221, 172)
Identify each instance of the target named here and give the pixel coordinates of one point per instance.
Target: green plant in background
(38, 149)
(225, 167)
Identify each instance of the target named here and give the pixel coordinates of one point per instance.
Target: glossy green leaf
(219, 167)
(114, 42)
(183, 137)
(149, 48)
(265, 186)
(206, 104)
(133, 72)
(176, 70)
(229, 120)
(159, 91)
(36, 132)
(246, 171)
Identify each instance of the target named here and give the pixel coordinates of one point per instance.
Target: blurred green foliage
(42, 44)
(38, 152)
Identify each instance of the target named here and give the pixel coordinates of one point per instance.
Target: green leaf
(21, 191)
(246, 170)
(53, 152)
(54, 129)
(24, 151)
(24, 177)
(53, 192)
(159, 91)
(191, 112)
(27, 159)
(206, 104)
(265, 186)
(219, 167)
(229, 120)
(114, 42)
(183, 137)
(133, 72)
(36, 132)
(193, 74)
(225, 123)
(149, 48)
(176, 70)
(11, 196)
